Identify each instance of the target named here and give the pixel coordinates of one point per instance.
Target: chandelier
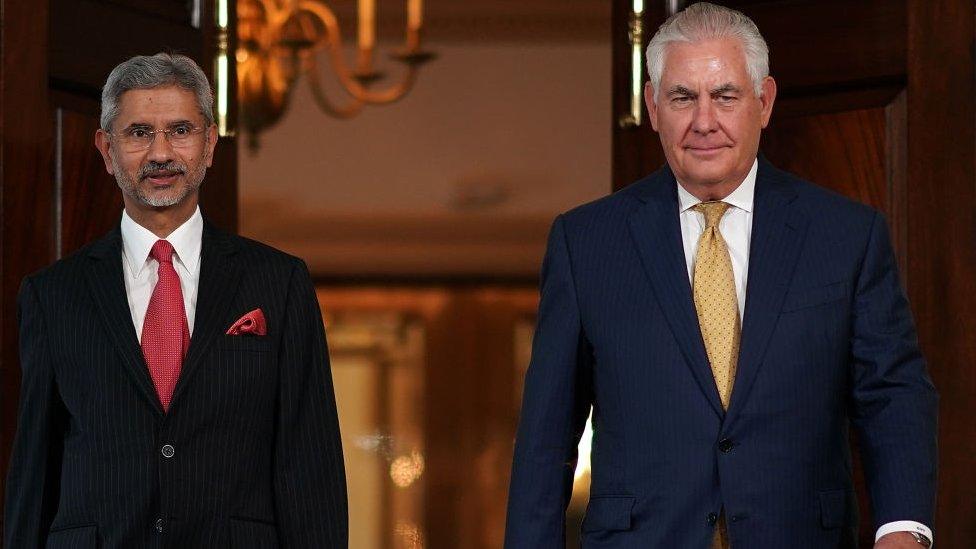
(280, 40)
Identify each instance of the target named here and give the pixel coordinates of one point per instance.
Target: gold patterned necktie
(718, 315)
(715, 300)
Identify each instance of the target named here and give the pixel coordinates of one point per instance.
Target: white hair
(705, 21)
(151, 71)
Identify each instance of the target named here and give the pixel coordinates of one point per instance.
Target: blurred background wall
(425, 222)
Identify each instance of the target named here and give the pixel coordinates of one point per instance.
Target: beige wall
(461, 177)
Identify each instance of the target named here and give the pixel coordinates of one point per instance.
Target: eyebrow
(681, 90)
(728, 87)
(148, 125)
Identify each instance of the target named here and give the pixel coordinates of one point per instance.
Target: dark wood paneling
(941, 241)
(82, 55)
(27, 192)
(818, 45)
(90, 201)
(843, 151)
(636, 151)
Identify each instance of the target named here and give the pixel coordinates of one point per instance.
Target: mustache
(156, 168)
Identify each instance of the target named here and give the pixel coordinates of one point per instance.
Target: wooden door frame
(26, 186)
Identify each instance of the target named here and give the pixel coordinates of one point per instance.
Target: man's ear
(103, 142)
(767, 99)
(651, 104)
(211, 143)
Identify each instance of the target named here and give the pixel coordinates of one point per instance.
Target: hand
(897, 540)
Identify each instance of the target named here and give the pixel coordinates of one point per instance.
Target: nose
(160, 150)
(704, 118)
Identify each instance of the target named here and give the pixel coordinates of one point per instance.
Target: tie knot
(162, 251)
(713, 212)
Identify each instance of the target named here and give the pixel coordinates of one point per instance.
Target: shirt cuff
(904, 526)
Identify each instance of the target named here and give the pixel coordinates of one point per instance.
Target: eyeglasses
(140, 138)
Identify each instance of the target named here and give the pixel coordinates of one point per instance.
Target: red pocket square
(251, 323)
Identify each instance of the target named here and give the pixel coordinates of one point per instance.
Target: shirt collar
(186, 240)
(741, 197)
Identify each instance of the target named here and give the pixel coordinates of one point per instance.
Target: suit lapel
(778, 230)
(220, 274)
(105, 280)
(656, 230)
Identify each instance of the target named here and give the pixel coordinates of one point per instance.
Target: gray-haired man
(176, 385)
(721, 405)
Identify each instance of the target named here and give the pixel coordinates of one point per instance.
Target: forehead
(710, 59)
(158, 105)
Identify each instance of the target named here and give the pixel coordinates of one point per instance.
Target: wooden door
(56, 195)
(875, 101)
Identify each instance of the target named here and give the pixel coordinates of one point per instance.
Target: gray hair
(704, 21)
(151, 71)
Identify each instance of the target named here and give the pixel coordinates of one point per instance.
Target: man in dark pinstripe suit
(176, 383)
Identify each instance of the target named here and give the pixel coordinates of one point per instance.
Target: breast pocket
(260, 344)
(243, 369)
(815, 296)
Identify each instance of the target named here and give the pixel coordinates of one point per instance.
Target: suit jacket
(828, 341)
(256, 459)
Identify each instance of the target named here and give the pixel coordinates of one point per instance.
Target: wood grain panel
(82, 55)
(941, 241)
(90, 201)
(844, 151)
(818, 45)
(26, 231)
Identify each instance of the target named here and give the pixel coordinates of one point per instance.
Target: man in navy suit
(176, 386)
(727, 322)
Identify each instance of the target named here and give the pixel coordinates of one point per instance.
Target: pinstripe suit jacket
(827, 341)
(257, 459)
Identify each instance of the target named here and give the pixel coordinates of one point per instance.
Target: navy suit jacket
(256, 459)
(828, 341)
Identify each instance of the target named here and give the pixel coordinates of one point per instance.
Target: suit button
(159, 525)
(711, 519)
(725, 445)
(168, 451)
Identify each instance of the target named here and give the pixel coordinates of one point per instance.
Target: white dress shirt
(736, 229)
(140, 270)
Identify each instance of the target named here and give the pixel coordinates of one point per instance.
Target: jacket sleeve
(309, 476)
(33, 479)
(556, 402)
(894, 402)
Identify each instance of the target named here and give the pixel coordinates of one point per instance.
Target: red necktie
(165, 333)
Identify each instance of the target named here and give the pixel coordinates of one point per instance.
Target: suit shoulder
(833, 215)
(819, 197)
(610, 209)
(261, 253)
(67, 268)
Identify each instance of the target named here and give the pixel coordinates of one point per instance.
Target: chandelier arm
(334, 46)
(322, 99)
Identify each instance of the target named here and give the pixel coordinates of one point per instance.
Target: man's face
(707, 113)
(162, 175)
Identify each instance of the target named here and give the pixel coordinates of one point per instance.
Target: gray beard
(133, 191)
